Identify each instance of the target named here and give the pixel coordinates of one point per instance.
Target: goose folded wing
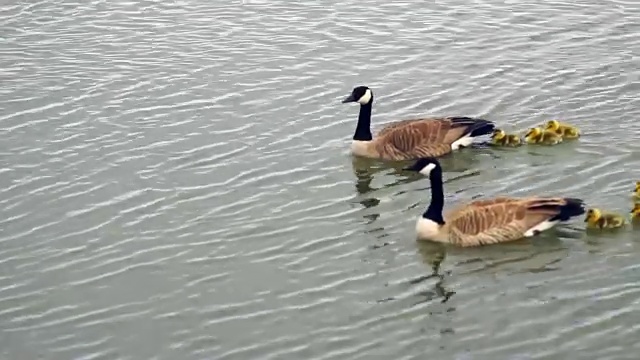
(423, 132)
(423, 150)
(454, 212)
(495, 221)
(395, 126)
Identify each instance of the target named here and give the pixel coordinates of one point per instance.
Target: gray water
(176, 181)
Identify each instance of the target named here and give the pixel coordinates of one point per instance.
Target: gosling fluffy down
(411, 139)
(565, 130)
(539, 136)
(598, 219)
(501, 138)
(635, 213)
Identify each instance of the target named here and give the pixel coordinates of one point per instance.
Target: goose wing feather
(395, 125)
(500, 220)
(405, 134)
(453, 213)
(423, 150)
(422, 137)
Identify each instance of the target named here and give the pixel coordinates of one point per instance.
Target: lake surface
(176, 181)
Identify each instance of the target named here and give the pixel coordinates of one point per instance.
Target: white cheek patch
(365, 98)
(427, 169)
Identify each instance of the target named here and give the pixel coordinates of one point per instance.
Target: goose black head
(424, 166)
(361, 95)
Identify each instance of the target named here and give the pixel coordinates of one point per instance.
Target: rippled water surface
(176, 181)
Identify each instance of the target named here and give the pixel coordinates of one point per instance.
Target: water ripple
(180, 171)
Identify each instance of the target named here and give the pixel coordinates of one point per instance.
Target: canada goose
(411, 139)
(565, 130)
(598, 219)
(537, 135)
(488, 221)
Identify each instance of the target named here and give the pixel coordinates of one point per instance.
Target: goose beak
(410, 168)
(349, 99)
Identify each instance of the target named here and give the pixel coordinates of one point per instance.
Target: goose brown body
(500, 220)
(489, 221)
(412, 138)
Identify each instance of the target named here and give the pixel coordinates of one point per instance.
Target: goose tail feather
(475, 126)
(572, 207)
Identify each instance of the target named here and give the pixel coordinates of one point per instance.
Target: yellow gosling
(537, 135)
(597, 219)
(565, 130)
(500, 138)
(635, 213)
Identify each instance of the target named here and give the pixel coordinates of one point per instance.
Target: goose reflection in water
(433, 255)
(365, 171)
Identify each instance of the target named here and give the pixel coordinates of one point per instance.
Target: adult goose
(411, 139)
(489, 221)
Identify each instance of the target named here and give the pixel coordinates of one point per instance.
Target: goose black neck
(434, 211)
(363, 129)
